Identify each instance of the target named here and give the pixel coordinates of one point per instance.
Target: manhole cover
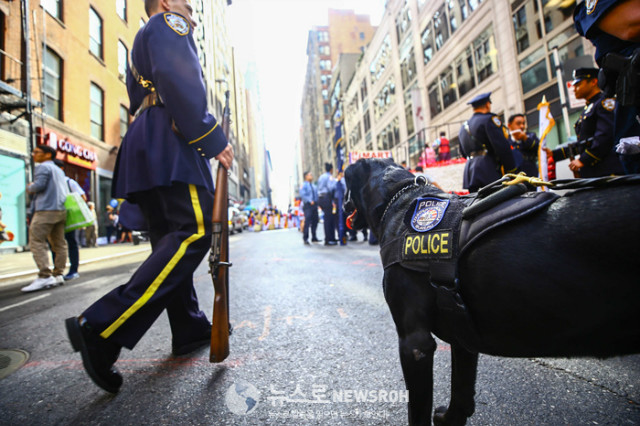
(11, 360)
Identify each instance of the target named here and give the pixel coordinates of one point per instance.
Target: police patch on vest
(177, 23)
(428, 213)
(609, 104)
(496, 121)
(432, 245)
(591, 6)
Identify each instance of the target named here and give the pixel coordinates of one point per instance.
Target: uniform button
(203, 155)
(199, 149)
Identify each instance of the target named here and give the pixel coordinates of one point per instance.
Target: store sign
(74, 153)
(356, 155)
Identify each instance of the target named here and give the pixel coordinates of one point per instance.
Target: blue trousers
(179, 219)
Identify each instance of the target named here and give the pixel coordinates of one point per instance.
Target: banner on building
(339, 145)
(546, 124)
(356, 155)
(417, 109)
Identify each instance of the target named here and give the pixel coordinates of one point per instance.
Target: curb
(82, 262)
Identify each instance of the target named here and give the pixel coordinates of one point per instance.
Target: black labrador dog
(560, 281)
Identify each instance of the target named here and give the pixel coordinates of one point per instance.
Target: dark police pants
(179, 219)
(310, 221)
(329, 218)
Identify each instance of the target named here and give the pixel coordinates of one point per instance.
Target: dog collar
(418, 181)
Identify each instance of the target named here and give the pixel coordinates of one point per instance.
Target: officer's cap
(584, 74)
(480, 100)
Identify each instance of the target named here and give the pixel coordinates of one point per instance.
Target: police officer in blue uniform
(163, 168)
(613, 26)
(594, 130)
(485, 142)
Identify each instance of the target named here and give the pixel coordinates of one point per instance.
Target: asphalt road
(311, 330)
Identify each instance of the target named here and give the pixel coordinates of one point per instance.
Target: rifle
(219, 257)
(574, 149)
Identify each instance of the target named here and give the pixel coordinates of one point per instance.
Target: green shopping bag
(78, 213)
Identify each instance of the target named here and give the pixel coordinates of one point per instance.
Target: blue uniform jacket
(491, 136)
(152, 153)
(596, 121)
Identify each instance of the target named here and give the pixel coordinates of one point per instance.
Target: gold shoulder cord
(522, 178)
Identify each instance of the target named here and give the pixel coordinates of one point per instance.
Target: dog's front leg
(412, 308)
(464, 367)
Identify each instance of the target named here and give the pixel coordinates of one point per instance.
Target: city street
(312, 337)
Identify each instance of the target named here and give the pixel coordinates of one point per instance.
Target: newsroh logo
(242, 398)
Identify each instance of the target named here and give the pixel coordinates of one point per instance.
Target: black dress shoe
(330, 243)
(98, 354)
(315, 240)
(307, 243)
(188, 347)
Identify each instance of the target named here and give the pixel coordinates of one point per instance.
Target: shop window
(52, 86)
(95, 34)
(97, 112)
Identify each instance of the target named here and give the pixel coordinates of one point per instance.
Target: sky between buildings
(273, 34)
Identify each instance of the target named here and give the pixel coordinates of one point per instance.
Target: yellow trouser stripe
(165, 271)
(205, 135)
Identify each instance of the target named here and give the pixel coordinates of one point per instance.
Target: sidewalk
(16, 265)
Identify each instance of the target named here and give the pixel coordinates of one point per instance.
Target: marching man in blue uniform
(485, 142)
(163, 168)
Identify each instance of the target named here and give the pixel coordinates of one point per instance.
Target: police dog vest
(437, 229)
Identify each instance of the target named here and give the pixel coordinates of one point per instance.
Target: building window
(97, 111)
(486, 55)
(386, 97)
(121, 9)
(52, 84)
(124, 120)
(427, 43)
(440, 27)
(464, 72)
(123, 58)
(53, 7)
(95, 33)
(448, 87)
(407, 62)
(435, 104)
(363, 90)
(379, 64)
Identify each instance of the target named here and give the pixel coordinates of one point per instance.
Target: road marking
(267, 323)
(24, 302)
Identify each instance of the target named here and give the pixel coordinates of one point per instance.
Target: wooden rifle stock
(219, 258)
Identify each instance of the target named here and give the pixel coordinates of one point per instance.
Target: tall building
(63, 83)
(346, 32)
(428, 59)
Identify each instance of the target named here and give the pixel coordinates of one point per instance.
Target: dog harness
(437, 230)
